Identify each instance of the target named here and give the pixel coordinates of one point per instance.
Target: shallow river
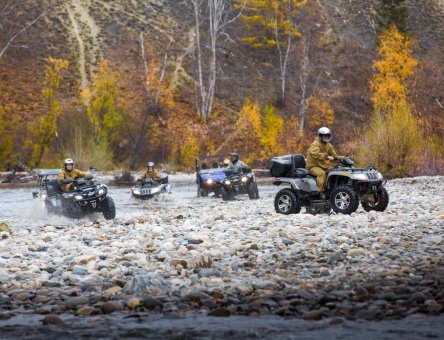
(20, 210)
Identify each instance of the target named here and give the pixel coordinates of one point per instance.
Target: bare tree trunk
(305, 102)
(219, 19)
(152, 105)
(6, 10)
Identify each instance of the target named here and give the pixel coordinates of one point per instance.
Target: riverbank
(208, 258)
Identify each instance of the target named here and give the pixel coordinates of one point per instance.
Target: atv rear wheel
(108, 208)
(253, 191)
(344, 199)
(381, 201)
(286, 202)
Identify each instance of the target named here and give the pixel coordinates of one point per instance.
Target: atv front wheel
(253, 191)
(108, 208)
(226, 195)
(344, 199)
(286, 202)
(381, 201)
(71, 210)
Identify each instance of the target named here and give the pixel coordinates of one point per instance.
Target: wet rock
(52, 320)
(111, 307)
(220, 312)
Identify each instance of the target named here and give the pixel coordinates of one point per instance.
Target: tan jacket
(317, 155)
(74, 174)
(149, 174)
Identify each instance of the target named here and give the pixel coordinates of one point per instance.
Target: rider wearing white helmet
(68, 171)
(150, 172)
(319, 157)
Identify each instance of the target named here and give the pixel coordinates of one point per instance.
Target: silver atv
(346, 187)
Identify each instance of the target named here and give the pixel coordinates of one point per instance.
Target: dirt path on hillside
(179, 74)
(86, 33)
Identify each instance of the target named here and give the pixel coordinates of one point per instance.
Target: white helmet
(324, 134)
(66, 162)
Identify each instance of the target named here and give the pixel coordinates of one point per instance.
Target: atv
(210, 173)
(239, 181)
(148, 188)
(346, 187)
(84, 198)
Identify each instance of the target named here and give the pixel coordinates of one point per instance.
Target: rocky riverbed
(236, 259)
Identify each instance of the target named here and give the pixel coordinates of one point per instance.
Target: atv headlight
(136, 191)
(209, 181)
(101, 192)
(227, 182)
(362, 177)
(78, 197)
(155, 190)
(379, 176)
(245, 179)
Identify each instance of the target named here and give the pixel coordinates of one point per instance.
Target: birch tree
(13, 22)
(278, 21)
(219, 15)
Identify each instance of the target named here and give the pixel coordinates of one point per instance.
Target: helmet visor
(325, 138)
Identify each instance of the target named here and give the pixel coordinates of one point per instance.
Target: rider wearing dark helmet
(236, 163)
(68, 171)
(319, 157)
(150, 173)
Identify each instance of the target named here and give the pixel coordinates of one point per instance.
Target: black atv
(346, 187)
(84, 198)
(237, 182)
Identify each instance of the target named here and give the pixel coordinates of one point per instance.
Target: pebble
(236, 258)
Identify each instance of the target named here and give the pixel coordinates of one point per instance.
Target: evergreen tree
(393, 12)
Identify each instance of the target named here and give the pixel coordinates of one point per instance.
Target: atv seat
(298, 166)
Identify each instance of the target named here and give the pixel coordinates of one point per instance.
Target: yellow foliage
(250, 128)
(189, 149)
(100, 102)
(277, 17)
(322, 113)
(44, 130)
(272, 129)
(394, 135)
(6, 139)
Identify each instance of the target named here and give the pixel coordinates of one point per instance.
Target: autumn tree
(143, 121)
(249, 128)
(6, 140)
(44, 130)
(272, 129)
(394, 131)
(277, 18)
(100, 100)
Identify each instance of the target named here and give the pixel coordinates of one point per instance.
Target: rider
(68, 171)
(150, 173)
(319, 157)
(236, 163)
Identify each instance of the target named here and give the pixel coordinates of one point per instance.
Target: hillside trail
(86, 33)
